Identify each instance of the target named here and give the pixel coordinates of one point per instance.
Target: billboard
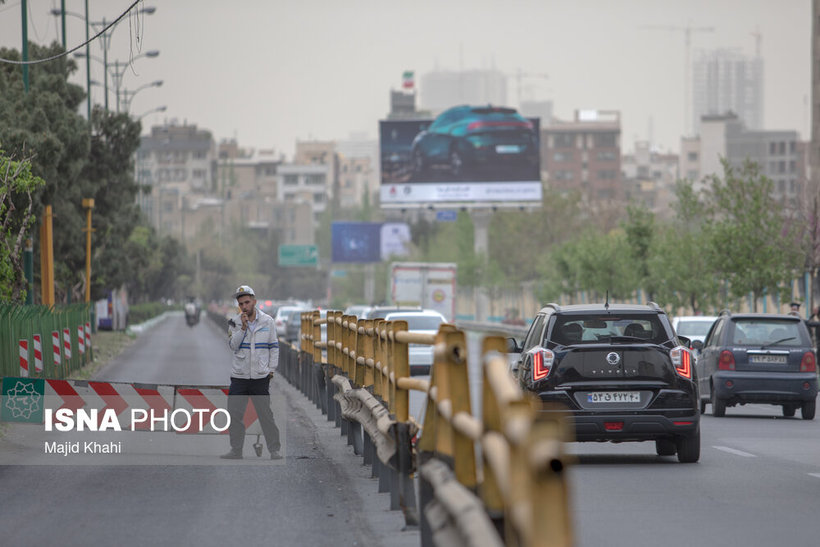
(482, 154)
(368, 241)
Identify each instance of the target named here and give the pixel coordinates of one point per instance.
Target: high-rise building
(726, 80)
(442, 89)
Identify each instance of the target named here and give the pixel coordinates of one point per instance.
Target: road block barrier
(135, 406)
(358, 375)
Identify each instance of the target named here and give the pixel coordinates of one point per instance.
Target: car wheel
(808, 409)
(665, 447)
(718, 405)
(788, 411)
(688, 447)
(456, 164)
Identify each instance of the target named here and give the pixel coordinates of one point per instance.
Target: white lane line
(815, 475)
(735, 452)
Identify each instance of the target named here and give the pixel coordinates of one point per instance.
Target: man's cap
(795, 304)
(243, 290)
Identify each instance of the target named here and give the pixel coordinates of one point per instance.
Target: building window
(692, 156)
(781, 186)
(605, 140)
(318, 198)
(291, 180)
(772, 148)
(792, 166)
(564, 140)
(314, 179)
(781, 166)
(782, 148)
(692, 175)
(792, 147)
(607, 174)
(199, 155)
(607, 155)
(199, 173)
(562, 156)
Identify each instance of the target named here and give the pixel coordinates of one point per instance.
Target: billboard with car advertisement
(467, 154)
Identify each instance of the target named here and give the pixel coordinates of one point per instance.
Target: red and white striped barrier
(67, 343)
(38, 353)
(55, 347)
(80, 340)
(88, 336)
(24, 358)
(179, 409)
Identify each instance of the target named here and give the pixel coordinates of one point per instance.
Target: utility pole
(24, 14)
(88, 205)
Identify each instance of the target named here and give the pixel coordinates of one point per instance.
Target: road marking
(735, 452)
(815, 475)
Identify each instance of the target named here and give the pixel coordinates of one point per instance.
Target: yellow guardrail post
(369, 355)
(401, 369)
(491, 417)
(549, 494)
(463, 448)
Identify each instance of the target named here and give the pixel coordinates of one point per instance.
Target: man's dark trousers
(238, 401)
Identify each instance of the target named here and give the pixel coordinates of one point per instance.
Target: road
(178, 491)
(757, 483)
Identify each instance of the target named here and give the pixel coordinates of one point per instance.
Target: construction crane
(520, 75)
(687, 73)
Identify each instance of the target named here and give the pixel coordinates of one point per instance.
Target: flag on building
(407, 79)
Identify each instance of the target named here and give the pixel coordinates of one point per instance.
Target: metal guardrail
(515, 494)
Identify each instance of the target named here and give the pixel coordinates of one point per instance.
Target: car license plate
(768, 359)
(507, 149)
(614, 397)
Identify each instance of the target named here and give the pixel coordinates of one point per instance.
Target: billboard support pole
(481, 224)
(369, 283)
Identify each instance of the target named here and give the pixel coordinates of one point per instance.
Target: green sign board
(22, 400)
(298, 255)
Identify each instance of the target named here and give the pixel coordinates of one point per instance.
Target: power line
(72, 50)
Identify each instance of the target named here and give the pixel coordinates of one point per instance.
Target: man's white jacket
(255, 350)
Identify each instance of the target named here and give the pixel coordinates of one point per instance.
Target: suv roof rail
(654, 306)
(554, 306)
(725, 311)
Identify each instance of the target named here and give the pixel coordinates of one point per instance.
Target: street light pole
(128, 96)
(87, 63)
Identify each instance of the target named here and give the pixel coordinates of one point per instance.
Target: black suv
(758, 358)
(620, 372)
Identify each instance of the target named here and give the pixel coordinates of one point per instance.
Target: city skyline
(269, 74)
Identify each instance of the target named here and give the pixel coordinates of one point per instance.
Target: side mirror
(512, 346)
(684, 341)
(697, 344)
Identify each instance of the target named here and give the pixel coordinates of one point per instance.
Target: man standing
(253, 340)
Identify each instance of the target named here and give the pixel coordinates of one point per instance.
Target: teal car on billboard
(476, 143)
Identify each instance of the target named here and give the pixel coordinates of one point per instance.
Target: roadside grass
(106, 346)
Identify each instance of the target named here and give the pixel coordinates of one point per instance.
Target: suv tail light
(809, 362)
(726, 360)
(682, 360)
(541, 364)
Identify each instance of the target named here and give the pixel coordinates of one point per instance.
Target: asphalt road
(178, 492)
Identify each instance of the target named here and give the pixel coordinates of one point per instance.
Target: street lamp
(120, 73)
(153, 110)
(106, 41)
(128, 96)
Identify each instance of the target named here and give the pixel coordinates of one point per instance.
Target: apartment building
(584, 154)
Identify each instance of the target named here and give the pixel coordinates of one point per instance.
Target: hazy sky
(270, 72)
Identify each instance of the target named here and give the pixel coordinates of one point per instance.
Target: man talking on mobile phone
(252, 338)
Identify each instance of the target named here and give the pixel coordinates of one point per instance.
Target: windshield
(759, 332)
(593, 329)
(694, 328)
(418, 322)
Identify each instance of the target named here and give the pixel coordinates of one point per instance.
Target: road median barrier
(497, 479)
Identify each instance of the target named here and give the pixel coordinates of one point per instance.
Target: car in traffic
(476, 142)
(359, 310)
(379, 312)
(281, 316)
(693, 327)
(619, 373)
(293, 327)
(422, 321)
(759, 358)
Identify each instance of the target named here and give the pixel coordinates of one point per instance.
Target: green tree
(17, 184)
(640, 228)
(750, 244)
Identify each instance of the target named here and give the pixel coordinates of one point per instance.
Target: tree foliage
(17, 184)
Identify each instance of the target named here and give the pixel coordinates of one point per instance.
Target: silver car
(423, 321)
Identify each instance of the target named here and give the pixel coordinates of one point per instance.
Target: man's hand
(244, 318)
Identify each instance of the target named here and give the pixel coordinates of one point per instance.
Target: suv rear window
(757, 332)
(598, 328)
